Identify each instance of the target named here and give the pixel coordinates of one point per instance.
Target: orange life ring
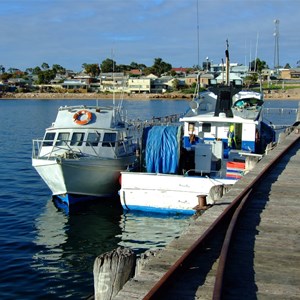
(77, 117)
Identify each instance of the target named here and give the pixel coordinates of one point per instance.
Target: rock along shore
(291, 94)
(82, 96)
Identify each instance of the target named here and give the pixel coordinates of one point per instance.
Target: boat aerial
(219, 139)
(84, 151)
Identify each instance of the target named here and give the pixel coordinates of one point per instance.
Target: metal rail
(232, 212)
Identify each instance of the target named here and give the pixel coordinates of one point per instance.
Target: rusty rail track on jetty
(213, 245)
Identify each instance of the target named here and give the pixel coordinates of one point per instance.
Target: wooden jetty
(272, 245)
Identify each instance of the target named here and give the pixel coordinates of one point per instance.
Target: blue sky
(73, 32)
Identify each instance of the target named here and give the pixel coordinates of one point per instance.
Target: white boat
(84, 151)
(221, 137)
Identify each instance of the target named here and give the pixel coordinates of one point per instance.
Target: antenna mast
(276, 48)
(198, 34)
(255, 62)
(227, 63)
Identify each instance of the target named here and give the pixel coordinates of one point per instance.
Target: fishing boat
(83, 152)
(219, 139)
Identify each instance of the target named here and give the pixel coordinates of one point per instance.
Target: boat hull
(82, 177)
(165, 193)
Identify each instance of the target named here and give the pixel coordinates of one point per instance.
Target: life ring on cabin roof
(86, 120)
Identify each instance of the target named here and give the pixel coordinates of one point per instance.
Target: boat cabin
(79, 132)
(90, 142)
(211, 141)
(233, 133)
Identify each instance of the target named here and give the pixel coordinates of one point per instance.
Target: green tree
(258, 65)
(45, 66)
(108, 65)
(46, 76)
(12, 70)
(134, 65)
(251, 79)
(91, 69)
(29, 70)
(148, 71)
(5, 76)
(142, 67)
(36, 70)
(58, 69)
(175, 84)
(159, 67)
(123, 68)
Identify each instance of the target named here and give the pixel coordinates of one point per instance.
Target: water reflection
(143, 231)
(97, 228)
(67, 244)
(77, 238)
(51, 235)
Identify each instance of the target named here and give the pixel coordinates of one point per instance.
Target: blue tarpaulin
(161, 149)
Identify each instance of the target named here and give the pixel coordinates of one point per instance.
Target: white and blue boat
(219, 139)
(82, 154)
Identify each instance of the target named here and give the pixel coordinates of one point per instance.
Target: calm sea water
(46, 254)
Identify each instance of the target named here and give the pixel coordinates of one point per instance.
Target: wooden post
(111, 271)
(144, 259)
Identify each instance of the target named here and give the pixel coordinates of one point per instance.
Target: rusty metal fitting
(202, 204)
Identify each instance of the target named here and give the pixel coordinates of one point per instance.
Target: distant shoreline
(102, 96)
(292, 94)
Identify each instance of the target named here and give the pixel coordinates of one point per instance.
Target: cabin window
(93, 139)
(77, 139)
(109, 139)
(62, 139)
(49, 138)
(206, 127)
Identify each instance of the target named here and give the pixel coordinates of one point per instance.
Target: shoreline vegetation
(290, 94)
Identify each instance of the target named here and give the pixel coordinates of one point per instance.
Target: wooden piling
(111, 271)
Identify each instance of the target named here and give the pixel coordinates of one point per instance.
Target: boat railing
(64, 148)
(212, 173)
(157, 121)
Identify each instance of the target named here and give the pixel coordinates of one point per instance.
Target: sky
(183, 33)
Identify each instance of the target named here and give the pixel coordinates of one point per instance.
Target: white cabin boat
(214, 146)
(84, 151)
(221, 137)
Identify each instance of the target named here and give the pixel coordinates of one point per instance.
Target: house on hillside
(160, 85)
(135, 72)
(240, 71)
(290, 73)
(81, 81)
(191, 79)
(205, 78)
(180, 71)
(75, 84)
(113, 81)
(139, 85)
(233, 77)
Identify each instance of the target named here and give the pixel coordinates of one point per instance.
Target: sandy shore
(292, 94)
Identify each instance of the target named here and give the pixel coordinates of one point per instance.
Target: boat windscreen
(48, 139)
